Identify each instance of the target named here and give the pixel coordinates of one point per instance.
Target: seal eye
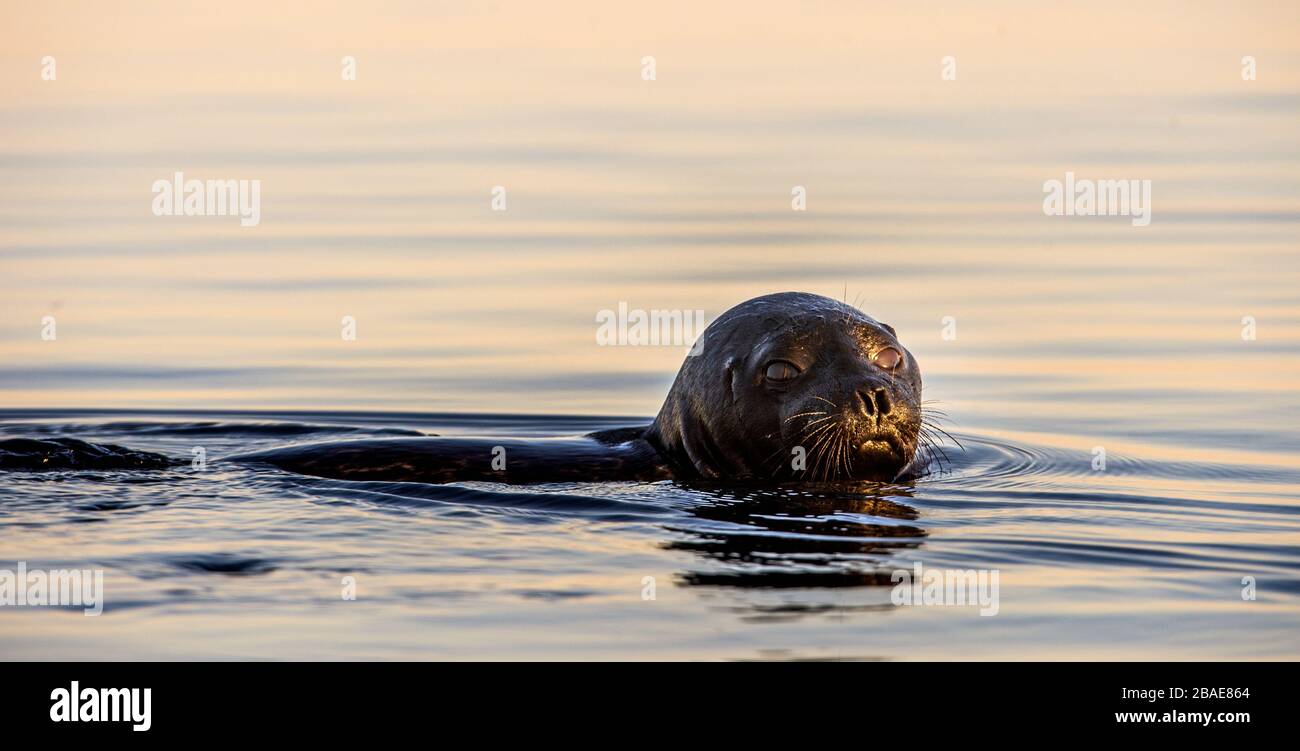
(888, 358)
(780, 371)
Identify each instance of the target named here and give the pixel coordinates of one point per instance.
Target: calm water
(238, 561)
(923, 205)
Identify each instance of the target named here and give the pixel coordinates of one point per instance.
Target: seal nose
(875, 402)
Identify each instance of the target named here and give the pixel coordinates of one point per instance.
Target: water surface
(244, 561)
(1174, 347)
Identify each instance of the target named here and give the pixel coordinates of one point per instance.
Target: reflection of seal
(748, 531)
(784, 387)
(793, 376)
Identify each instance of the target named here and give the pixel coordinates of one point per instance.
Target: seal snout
(873, 402)
(882, 449)
(879, 416)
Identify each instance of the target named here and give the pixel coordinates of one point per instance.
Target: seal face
(789, 376)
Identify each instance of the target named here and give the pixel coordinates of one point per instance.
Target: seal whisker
(820, 432)
(811, 423)
(848, 463)
(944, 433)
(837, 452)
(775, 456)
(841, 455)
(929, 427)
(841, 470)
(832, 449)
(806, 433)
(819, 450)
(933, 448)
(821, 453)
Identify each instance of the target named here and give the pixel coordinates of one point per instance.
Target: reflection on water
(808, 537)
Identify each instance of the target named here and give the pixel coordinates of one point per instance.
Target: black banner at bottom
(337, 700)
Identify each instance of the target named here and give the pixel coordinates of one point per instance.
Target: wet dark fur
(70, 453)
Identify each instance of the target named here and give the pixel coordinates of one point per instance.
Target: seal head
(793, 386)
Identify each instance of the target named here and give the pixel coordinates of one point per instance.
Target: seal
(786, 387)
(793, 376)
(70, 453)
(782, 388)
